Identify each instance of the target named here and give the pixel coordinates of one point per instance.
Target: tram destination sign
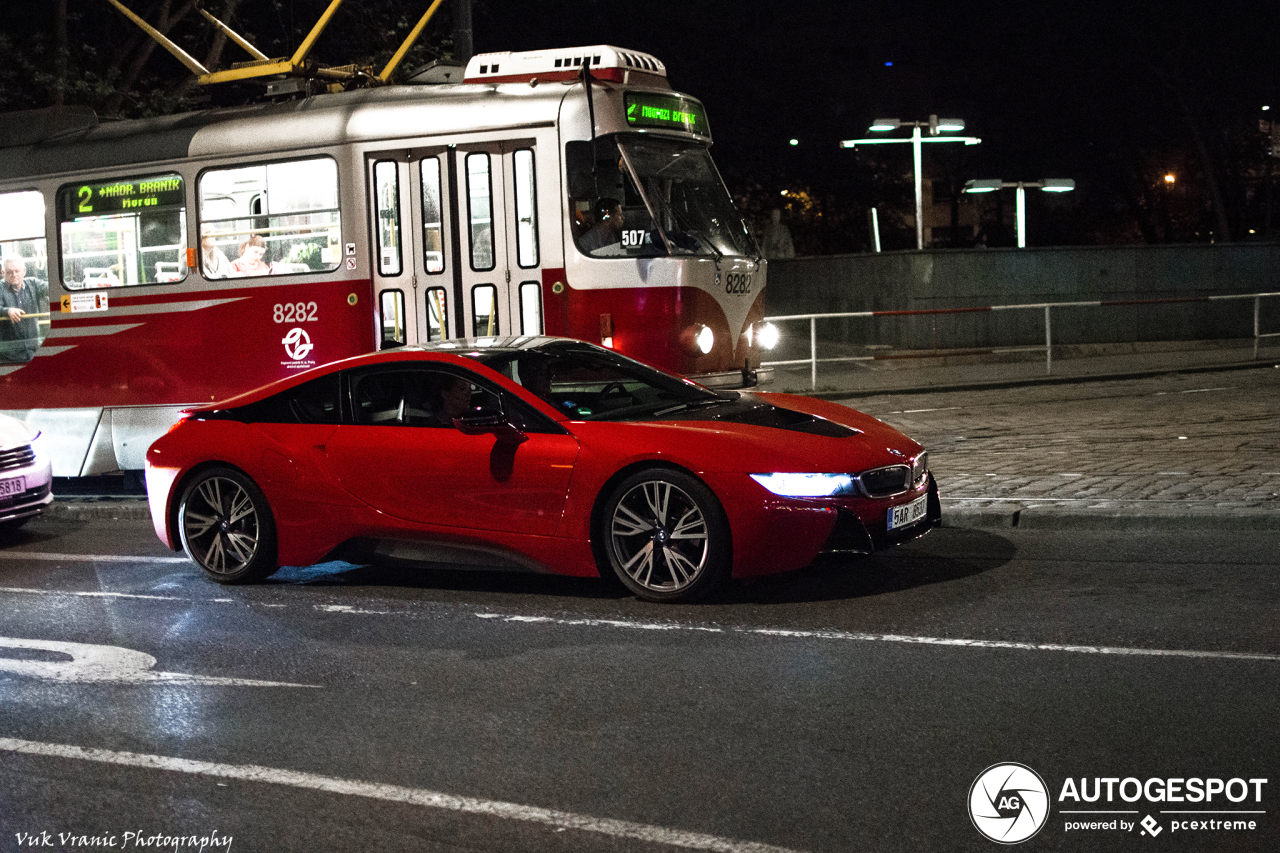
(673, 112)
(121, 196)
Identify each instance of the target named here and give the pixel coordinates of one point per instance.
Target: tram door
(456, 244)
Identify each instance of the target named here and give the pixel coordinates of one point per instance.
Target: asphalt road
(1105, 610)
(849, 707)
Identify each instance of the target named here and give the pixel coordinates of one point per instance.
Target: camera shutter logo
(1008, 803)
(297, 344)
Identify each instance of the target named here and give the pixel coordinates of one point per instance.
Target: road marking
(96, 664)
(87, 558)
(396, 794)
(88, 594)
(888, 638)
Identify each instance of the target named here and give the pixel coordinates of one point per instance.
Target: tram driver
(608, 228)
(20, 297)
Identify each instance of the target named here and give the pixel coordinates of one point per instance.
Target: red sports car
(531, 453)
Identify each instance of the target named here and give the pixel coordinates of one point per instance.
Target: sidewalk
(897, 372)
(1035, 458)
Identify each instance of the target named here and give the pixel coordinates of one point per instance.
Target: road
(847, 707)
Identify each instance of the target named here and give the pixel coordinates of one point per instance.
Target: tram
(188, 258)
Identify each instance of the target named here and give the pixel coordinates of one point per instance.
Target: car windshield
(648, 196)
(589, 383)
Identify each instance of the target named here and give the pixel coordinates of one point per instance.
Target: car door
(398, 458)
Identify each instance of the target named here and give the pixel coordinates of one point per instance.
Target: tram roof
(370, 114)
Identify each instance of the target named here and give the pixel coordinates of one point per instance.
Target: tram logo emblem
(1008, 803)
(297, 344)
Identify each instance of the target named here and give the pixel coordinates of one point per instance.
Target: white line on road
(87, 558)
(889, 638)
(396, 794)
(94, 594)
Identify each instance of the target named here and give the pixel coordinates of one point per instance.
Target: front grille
(16, 457)
(22, 498)
(886, 482)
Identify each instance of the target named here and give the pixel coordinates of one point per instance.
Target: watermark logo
(1008, 803)
(297, 344)
(1152, 826)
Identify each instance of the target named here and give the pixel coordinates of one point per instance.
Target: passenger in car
(453, 400)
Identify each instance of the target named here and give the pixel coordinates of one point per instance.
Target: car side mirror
(491, 423)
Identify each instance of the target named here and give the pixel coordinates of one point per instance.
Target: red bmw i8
(542, 454)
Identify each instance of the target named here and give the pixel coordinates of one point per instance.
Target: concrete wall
(953, 278)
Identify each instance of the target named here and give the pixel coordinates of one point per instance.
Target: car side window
(314, 402)
(417, 397)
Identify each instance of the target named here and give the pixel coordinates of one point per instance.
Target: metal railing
(1047, 307)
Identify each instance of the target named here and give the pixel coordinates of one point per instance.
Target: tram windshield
(645, 196)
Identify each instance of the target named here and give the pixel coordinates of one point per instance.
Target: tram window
(387, 200)
(123, 231)
(610, 218)
(25, 267)
(274, 218)
(484, 310)
(526, 210)
(392, 318)
(530, 308)
(480, 211)
(437, 314)
(432, 224)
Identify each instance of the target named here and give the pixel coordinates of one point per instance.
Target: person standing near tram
(20, 297)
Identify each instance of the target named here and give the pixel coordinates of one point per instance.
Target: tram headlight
(767, 336)
(699, 339)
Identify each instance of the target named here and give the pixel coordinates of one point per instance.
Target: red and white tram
(188, 258)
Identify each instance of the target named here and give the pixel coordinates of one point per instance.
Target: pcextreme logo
(1009, 803)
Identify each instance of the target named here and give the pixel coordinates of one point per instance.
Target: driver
(608, 228)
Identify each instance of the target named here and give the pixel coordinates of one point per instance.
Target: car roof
(460, 352)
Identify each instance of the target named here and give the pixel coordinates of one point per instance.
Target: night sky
(1113, 95)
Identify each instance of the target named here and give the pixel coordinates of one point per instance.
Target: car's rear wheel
(226, 527)
(665, 536)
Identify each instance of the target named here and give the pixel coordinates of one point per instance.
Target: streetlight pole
(1049, 185)
(935, 125)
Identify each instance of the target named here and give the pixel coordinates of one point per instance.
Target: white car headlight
(807, 485)
(40, 447)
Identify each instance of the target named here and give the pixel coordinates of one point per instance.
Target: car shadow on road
(946, 554)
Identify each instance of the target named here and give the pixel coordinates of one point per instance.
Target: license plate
(12, 486)
(907, 514)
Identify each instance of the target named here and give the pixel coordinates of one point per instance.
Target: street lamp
(936, 125)
(1049, 185)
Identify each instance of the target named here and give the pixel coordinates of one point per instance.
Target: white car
(26, 473)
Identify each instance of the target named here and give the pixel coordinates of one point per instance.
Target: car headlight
(807, 485)
(40, 447)
(920, 467)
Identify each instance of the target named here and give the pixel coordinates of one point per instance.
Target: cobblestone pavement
(1179, 447)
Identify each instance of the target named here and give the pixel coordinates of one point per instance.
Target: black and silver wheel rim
(658, 534)
(220, 524)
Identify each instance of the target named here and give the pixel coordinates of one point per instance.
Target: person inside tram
(214, 262)
(250, 261)
(608, 228)
(20, 297)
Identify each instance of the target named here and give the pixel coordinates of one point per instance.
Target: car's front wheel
(227, 528)
(665, 536)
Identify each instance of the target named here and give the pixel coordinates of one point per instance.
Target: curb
(1115, 516)
(996, 384)
(86, 509)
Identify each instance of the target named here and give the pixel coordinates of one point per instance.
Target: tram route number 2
(294, 312)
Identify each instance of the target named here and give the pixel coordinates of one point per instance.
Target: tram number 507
(294, 312)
